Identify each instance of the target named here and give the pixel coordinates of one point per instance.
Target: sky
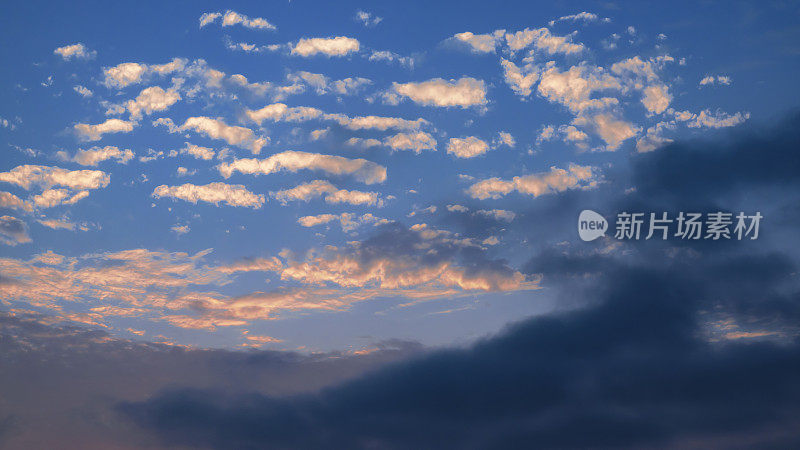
(318, 215)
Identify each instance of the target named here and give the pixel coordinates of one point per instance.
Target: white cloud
(368, 19)
(612, 130)
(480, 43)
(56, 197)
(9, 200)
(365, 171)
(126, 74)
(719, 79)
(542, 39)
(216, 193)
(198, 152)
(556, 180)
(95, 132)
(521, 80)
(468, 147)
(320, 188)
(417, 141)
(208, 18)
(390, 57)
(464, 92)
(348, 221)
(28, 176)
(77, 51)
(505, 138)
(708, 119)
(257, 23)
(580, 17)
(151, 100)
(233, 135)
(279, 112)
(336, 46)
(95, 155)
(83, 91)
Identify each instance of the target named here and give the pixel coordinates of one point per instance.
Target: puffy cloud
(320, 188)
(233, 18)
(126, 74)
(497, 214)
(556, 180)
(348, 221)
(9, 200)
(468, 147)
(520, 82)
(542, 39)
(574, 88)
(368, 19)
(480, 43)
(28, 176)
(233, 135)
(198, 152)
(13, 231)
(719, 79)
(152, 99)
(77, 51)
(614, 131)
(641, 75)
(56, 197)
(208, 18)
(95, 132)
(464, 92)
(505, 138)
(230, 194)
(376, 122)
(708, 119)
(292, 161)
(95, 155)
(417, 142)
(336, 46)
(83, 91)
(180, 229)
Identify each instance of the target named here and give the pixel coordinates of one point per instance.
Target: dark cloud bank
(664, 344)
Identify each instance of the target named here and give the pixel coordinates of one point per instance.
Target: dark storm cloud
(59, 382)
(688, 347)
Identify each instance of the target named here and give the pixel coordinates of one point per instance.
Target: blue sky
(186, 249)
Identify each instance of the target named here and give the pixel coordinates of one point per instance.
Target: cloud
(126, 74)
(28, 176)
(83, 91)
(11, 201)
(468, 147)
(279, 112)
(368, 19)
(417, 142)
(95, 132)
(13, 231)
(231, 18)
(709, 119)
(554, 181)
(56, 197)
(479, 43)
(464, 92)
(385, 55)
(324, 85)
(519, 81)
(216, 193)
(150, 100)
(76, 51)
(292, 161)
(719, 79)
(348, 221)
(542, 39)
(95, 155)
(320, 188)
(335, 46)
(198, 152)
(233, 135)
(579, 17)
